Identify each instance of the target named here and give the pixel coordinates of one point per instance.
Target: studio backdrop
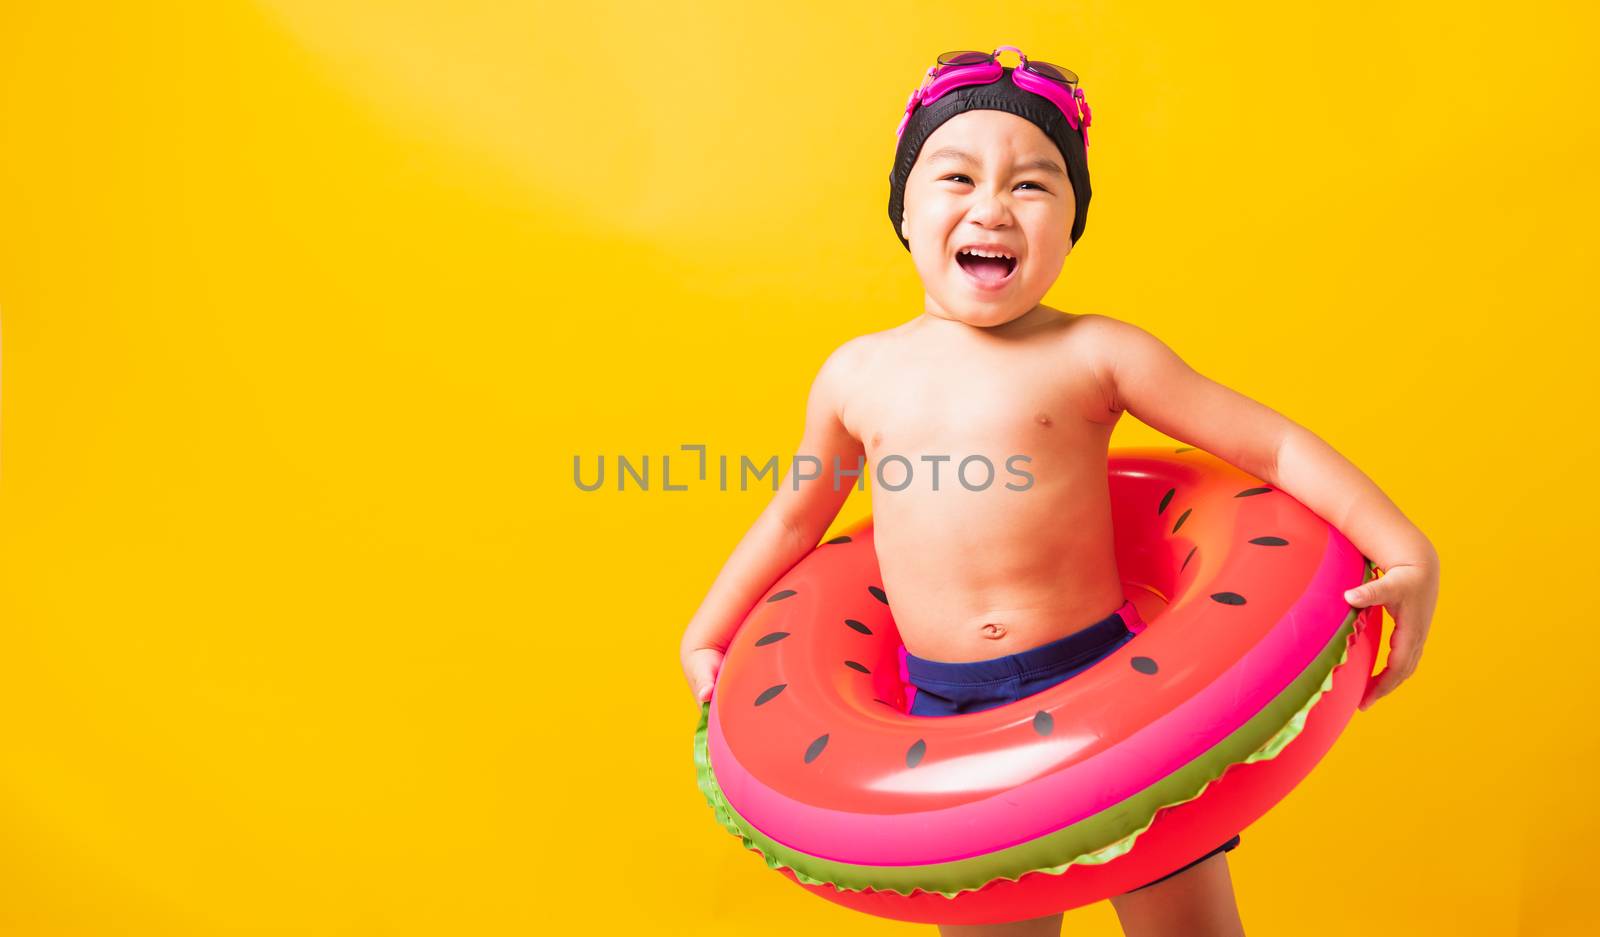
(310, 310)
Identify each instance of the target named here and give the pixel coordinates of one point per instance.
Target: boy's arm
(786, 530)
(1146, 378)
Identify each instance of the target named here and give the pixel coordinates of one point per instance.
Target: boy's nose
(991, 210)
(990, 220)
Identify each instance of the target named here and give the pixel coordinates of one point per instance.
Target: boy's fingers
(1375, 691)
(703, 675)
(1381, 686)
(1405, 645)
(702, 687)
(1369, 593)
(1404, 653)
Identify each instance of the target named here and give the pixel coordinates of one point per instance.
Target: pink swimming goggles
(959, 69)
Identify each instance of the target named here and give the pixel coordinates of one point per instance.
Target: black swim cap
(999, 95)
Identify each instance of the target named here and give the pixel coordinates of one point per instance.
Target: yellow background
(307, 308)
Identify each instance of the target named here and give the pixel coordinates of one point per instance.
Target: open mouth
(987, 272)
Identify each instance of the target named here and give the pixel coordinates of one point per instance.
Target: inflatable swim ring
(1249, 667)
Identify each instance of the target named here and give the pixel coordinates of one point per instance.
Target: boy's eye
(960, 176)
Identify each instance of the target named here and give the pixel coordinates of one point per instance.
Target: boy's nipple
(1043, 418)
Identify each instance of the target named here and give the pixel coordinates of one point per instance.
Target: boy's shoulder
(1105, 339)
(1095, 326)
(847, 370)
(854, 355)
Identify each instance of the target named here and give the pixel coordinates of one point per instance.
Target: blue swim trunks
(945, 688)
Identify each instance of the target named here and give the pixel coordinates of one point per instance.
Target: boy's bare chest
(998, 406)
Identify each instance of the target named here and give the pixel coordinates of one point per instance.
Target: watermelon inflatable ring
(1249, 667)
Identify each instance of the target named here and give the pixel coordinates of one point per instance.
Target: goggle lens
(958, 59)
(1054, 72)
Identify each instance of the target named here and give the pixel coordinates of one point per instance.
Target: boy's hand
(1409, 592)
(700, 666)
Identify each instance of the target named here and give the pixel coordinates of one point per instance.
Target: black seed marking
(858, 626)
(1144, 665)
(1181, 518)
(855, 666)
(1252, 491)
(1228, 598)
(915, 752)
(769, 693)
(771, 638)
(1042, 723)
(816, 748)
(840, 539)
(878, 594)
(1183, 449)
(1166, 499)
(779, 596)
(885, 702)
(1186, 558)
(1270, 541)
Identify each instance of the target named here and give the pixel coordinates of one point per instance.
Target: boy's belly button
(992, 630)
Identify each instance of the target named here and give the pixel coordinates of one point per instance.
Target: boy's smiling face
(1010, 189)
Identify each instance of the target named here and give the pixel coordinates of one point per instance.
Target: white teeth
(978, 253)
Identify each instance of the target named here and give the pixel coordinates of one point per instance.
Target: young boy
(1021, 581)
